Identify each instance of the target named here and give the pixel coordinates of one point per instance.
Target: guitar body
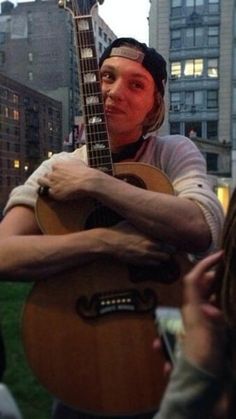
(88, 333)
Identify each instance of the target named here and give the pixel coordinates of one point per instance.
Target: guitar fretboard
(98, 147)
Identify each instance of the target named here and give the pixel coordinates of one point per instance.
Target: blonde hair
(156, 116)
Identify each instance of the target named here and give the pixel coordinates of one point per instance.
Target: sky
(127, 17)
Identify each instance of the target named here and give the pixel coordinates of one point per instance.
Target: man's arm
(177, 221)
(26, 254)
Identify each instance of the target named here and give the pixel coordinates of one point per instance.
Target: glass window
(175, 128)
(175, 101)
(212, 162)
(2, 57)
(193, 127)
(175, 70)
(176, 7)
(212, 130)
(212, 99)
(30, 57)
(234, 100)
(213, 36)
(2, 37)
(213, 6)
(194, 37)
(193, 68)
(212, 70)
(175, 39)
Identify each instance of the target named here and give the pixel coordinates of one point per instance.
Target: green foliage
(33, 400)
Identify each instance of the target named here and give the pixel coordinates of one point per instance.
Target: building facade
(196, 37)
(37, 49)
(30, 131)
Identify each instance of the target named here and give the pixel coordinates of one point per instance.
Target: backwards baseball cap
(148, 57)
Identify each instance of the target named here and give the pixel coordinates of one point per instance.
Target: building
(37, 49)
(30, 131)
(197, 39)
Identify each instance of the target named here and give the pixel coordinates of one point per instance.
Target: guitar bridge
(129, 301)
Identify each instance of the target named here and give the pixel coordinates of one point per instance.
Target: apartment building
(30, 131)
(197, 39)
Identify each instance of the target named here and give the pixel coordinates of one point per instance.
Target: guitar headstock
(79, 7)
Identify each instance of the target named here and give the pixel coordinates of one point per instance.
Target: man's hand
(128, 244)
(70, 179)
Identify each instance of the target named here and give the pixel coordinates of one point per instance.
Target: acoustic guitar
(88, 333)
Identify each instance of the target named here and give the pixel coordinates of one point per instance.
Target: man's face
(128, 91)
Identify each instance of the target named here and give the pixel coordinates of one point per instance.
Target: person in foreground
(199, 375)
(133, 78)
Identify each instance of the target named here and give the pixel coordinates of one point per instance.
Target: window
(2, 37)
(212, 130)
(2, 57)
(194, 6)
(30, 57)
(212, 99)
(175, 128)
(176, 39)
(194, 37)
(193, 126)
(212, 67)
(194, 100)
(193, 68)
(100, 31)
(16, 164)
(175, 101)
(212, 162)
(176, 7)
(213, 6)
(213, 36)
(30, 76)
(175, 71)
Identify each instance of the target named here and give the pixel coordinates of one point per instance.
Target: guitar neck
(97, 141)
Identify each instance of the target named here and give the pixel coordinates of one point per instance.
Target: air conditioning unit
(176, 108)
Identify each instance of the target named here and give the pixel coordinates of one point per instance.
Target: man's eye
(137, 85)
(106, 76)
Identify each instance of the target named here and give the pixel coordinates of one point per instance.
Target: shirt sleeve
(186, 168)
(190, 394)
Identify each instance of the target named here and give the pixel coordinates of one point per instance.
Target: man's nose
(116, 90)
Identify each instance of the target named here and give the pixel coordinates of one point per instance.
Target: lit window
(16, 164)
(193, 68)
(15, 115)
(30, 57)
(175, 69)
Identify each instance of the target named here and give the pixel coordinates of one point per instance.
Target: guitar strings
(93, 107)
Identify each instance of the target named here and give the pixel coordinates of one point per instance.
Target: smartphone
(169, 325)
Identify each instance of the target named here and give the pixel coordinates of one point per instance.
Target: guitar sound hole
(102, 217)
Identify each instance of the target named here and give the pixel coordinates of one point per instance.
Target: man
(133, 79)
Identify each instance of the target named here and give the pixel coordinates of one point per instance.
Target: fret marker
(83, 25)
(98, 146)
(86, 53)
(95, 120)
(90, 78)
(92, 100)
